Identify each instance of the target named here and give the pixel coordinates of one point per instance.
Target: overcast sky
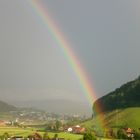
(104, 34)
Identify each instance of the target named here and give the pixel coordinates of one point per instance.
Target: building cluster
(129, 132)
(75, 129)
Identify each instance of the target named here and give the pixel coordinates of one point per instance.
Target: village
(38, 123)
(56, 127)
(128, 133)
(32, 133)
(33, 117)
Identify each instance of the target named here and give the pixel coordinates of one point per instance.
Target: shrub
(121, 134)
(137, 135)
(46, 136)
(89, 136)
(6, 136)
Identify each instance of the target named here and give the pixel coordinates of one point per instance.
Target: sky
(104, 35)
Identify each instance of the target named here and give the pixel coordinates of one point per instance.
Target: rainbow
(69, 54)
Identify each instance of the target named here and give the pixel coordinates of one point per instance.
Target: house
(76, 129)
(2, 123)
(129, 132)
(70, 129)
(35, 136)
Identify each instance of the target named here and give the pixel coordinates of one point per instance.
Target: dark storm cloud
(103, 34)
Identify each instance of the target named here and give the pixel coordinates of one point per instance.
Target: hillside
(4, 107)
(121, 108)
(128, 95)
(58, 106)
(128, 117)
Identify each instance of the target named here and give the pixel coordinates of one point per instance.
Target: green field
(128, 117)
(16, 131)
(116, 119)
(25, 132)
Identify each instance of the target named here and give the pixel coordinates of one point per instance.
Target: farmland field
(25, 132)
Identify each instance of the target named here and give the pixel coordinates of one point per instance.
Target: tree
(55, 136)
(58, 125)
(6, 136)
(137, 135)
(46, 136)
(121, 134)
(89, 136)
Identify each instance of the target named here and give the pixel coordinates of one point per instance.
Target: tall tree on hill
(128, 95)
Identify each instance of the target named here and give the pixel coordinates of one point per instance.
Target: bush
(89, 136)
(46, 136)
(121, 134)
(6, 136)
(137, 135)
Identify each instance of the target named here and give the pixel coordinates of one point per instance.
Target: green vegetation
(28, 131)
(121, 109)
(16, 131)
(128, 117)
(122, 118)
(126, 96)
(89, 136)
(115, 121)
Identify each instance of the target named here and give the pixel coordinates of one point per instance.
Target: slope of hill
(4, 107)
(121, 108)
(126, 96)
(120, 118)
(58, 106)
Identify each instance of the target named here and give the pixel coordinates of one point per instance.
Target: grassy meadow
(25, 132)
(128, 117)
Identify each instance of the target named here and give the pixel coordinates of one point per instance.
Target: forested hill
(128, 95)
(4, 107)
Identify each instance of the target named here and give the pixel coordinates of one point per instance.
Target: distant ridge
(128, 95)
(4, 107)
(58, 106)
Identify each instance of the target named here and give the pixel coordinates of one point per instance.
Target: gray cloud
(103, 34)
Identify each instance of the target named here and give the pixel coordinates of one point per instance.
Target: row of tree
(127, 95)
